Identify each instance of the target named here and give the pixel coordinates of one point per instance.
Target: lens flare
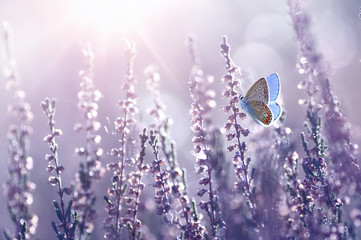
(112, 16)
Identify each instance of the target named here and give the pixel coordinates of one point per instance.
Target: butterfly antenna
(239, 91)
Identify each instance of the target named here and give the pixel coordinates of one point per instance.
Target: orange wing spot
(268, 120)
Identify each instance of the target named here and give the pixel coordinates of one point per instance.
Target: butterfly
(260, 100)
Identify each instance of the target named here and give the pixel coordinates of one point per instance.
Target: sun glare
(109, 16)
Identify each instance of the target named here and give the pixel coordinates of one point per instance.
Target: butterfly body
(260, 100)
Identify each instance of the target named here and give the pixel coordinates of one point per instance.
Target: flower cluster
(316, 197)
(123, 126)
(162, 189)
(235, 131)
(170, 180)
(204, 143)
(18, 188)
(91, 168)
(188, 220)
(135, 188)
(65, 230)
(337, 129)
(161, 121)
(161, 127)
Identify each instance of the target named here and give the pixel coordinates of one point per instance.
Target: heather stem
(90, 168)
(140, 168)
(190, 229)
(54, 150)
(20, 163)
(68, 226)
(123, 125)
(241, 146)
(161, 126)
(196, 68)
(204, 144)
(122, 166)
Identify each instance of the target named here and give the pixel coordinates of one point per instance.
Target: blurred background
(47, 38)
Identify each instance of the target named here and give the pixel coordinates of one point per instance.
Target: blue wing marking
(274, 86)
(275, 109)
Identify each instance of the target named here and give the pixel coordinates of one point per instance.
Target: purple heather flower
(68, 220)
(91, 168)
(235, 131)
(169, 177)
(18, 187)
(318, 188)
(187, 220)
(135, 188)
(206, 158)
(337, 129)
(125, 191)
(162, 189)
(161, 126)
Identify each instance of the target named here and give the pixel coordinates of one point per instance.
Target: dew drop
(288, 130)
(302, 101)
(212, 104)
(29, 199)
(303, 60)
(97, 139)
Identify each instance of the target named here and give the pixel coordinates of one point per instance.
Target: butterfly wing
(259, 111)
(259, 91)
(275, 109)
(274, 86)
(260, 99)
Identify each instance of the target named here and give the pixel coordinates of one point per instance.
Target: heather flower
(18, 187)
(68, 220)
(337, 130)
(135, 188)
(157, 111)
(206, 158)
(161, 127)
(90, 169)
(187, 218)
(317, 195)
(124, 125)
(170, 180)
(162, 189)
(162, 124)
(235, 132)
